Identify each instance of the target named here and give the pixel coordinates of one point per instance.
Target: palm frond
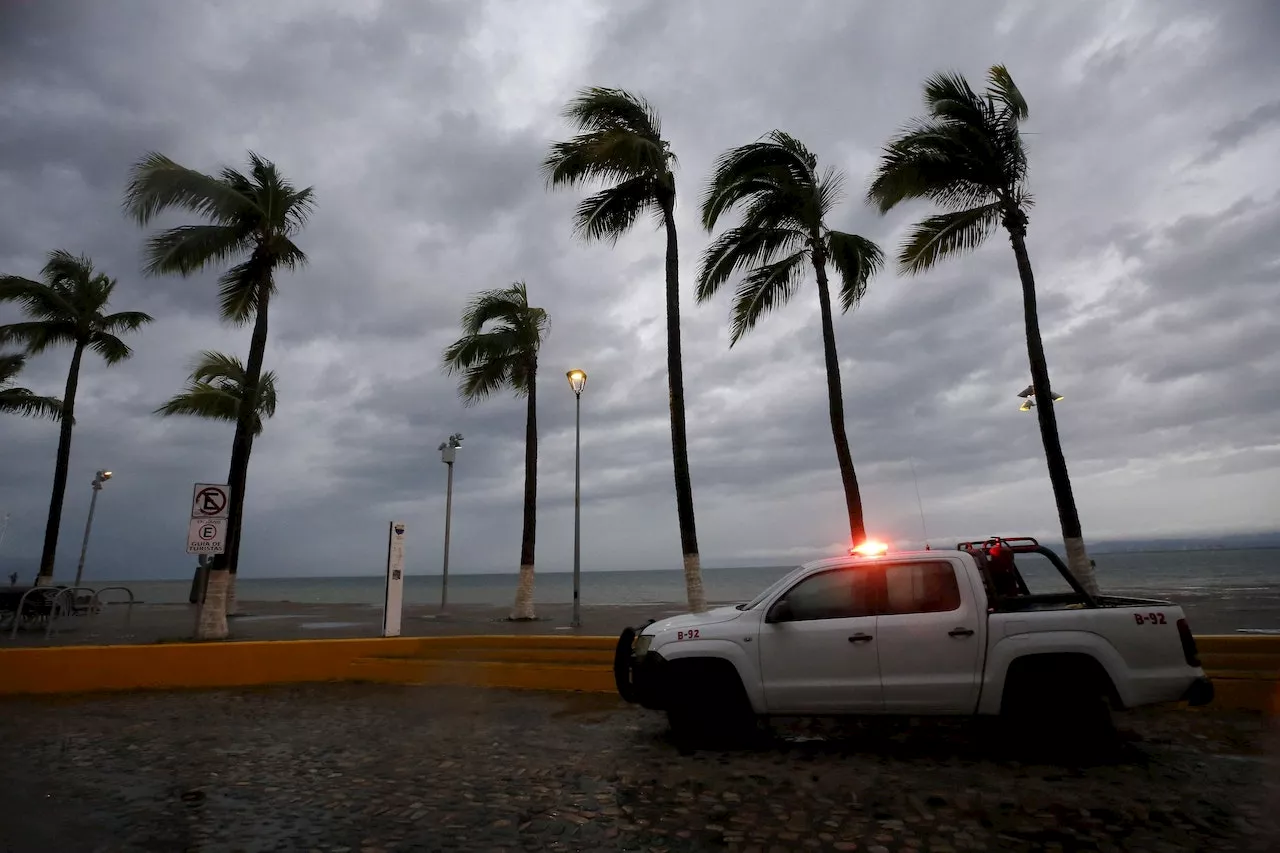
(1002, 90)
(239, 289)
(124, 321)
(738, 249)
(601, 108)
(211, 365)
(24, 403)
(856, 259)
(765, 288)
(608, 214)
(157, 183)
(190, 248)
(502, 334)
(776, 171)
(36, 336)
(203, 400)
(38, 299)
(111, 348)
(64, 268)
(216, 390)
(945, 234)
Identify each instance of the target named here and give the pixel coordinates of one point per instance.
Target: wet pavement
(377, 768)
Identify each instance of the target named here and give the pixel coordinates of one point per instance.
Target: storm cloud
(1155, 239)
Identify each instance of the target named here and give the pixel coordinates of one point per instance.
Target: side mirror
(780, 612)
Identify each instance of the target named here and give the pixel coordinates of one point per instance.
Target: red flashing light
(869, 549)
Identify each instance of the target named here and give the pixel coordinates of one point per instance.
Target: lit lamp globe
(577, 380)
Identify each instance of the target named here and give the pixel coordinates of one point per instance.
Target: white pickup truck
(941, 632)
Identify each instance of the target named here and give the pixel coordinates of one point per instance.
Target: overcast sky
(1155, 239)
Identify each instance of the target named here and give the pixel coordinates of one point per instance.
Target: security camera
(442, 446)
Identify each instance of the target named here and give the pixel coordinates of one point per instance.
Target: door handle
(860, 638)
(960, 632)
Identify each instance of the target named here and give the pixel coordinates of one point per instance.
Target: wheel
(1063, 708)
(709, 705)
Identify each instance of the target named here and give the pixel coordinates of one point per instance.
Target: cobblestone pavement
(364, 768)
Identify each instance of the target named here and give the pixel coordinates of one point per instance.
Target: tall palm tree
(967, 156)
(501, 335)
(16, 400)
(620, 143)
(251, 218)
(785, 204)
(214, 391)
(66, 307)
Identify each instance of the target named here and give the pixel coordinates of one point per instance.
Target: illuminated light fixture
(1028, 398)
(577, 381)
(869, 549)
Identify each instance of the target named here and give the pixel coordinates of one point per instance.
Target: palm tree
(214, 391)
(967, 156)
(248, 218)
(786, 203)
(66, 307)
(501, 335)
(23, 401)
(620, 143)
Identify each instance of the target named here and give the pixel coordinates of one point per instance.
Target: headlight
(642, 644)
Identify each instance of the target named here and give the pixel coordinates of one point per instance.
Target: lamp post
(1028, 395)
(98, 479)
(448, 452)
(577, 381)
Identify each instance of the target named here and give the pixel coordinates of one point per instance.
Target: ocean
(1202, 574)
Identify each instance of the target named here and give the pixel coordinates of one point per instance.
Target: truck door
(929, 637)
(818, 645)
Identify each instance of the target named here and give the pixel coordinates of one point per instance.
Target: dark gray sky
(1155, 238)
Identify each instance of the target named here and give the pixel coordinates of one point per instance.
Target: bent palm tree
(786, 202)
(620, 143)
(501, 335)
(15, 400)
(66, 307)
(249, 218)
(215, 390)
(967, 157)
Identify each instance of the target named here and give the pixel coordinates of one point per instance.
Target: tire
(622, 665)
(709, 705)
(1060, 706)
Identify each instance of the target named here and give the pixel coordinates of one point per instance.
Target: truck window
(1041, 576)
(837, 594)
(921, 588)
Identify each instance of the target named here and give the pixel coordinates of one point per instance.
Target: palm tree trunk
(61, 466)
(835, 401)
(214, 626)
(1073, 537)
(679, 438)
(524, 588)
(211, 624)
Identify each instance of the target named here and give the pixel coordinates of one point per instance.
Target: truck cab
(935, 632)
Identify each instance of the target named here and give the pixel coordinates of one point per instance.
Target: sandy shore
(284, 620)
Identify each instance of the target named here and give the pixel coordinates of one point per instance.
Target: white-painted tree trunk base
(233, 608)
(1078, 563)
(524, 594)
(693, 583)
(212, 623)
(43, 580)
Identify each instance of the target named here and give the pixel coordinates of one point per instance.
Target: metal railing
(53, 603)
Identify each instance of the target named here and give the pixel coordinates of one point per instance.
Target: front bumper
(651, 680)
(1199, 693)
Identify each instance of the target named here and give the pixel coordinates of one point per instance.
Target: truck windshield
(771, 589)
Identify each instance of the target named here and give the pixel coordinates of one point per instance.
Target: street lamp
(577, 382)
(448, 452)
(1028, 398)
(98, 479)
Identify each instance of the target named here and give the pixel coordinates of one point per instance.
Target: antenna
(919, 503)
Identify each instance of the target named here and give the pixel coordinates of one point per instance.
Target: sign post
(393, 602)
(207, 531)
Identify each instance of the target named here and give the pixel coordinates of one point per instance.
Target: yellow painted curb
(1245, 669)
